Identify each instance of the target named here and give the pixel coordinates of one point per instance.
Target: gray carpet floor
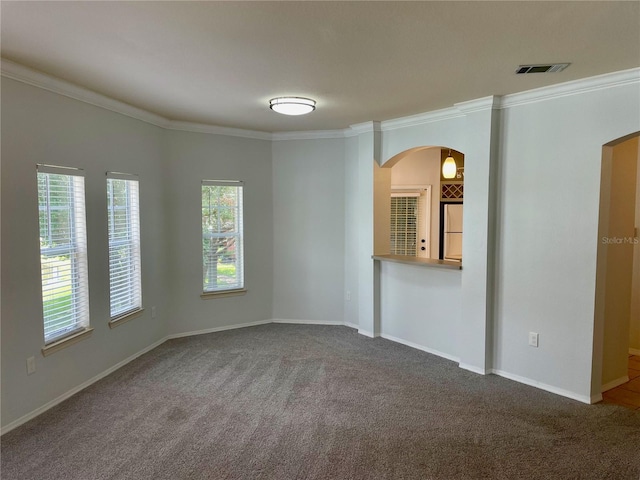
(316, 402)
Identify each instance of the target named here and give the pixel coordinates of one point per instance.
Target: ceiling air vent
(556, 67)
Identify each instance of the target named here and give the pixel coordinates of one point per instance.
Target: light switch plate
(31, 365)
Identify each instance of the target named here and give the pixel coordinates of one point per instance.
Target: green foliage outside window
(221, 211)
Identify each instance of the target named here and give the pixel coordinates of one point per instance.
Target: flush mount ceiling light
(292, 105)
(449, 167)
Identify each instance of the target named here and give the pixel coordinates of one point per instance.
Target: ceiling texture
(219, 63)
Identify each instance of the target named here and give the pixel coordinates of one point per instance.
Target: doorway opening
(617, 307)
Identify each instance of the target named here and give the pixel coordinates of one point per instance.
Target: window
(222, 238)
(410, 221)
(63, 252)
(123, 208)
(404, 225)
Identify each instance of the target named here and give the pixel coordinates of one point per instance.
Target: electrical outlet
(153, 312)
(348, 295)
(31, 365)
(533, 339)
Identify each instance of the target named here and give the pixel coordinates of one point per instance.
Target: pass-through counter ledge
(419, 261)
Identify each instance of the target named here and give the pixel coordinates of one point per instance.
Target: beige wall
(634, 325)
(620, 168)
(423, 168)
(381, 209)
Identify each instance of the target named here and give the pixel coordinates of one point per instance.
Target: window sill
(124, 318)
(223, 293)
(66, 342)
(419, 261)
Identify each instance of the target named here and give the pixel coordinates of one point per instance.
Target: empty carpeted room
(320, 240)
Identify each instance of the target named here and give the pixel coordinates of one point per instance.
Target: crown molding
(27, 75)
(574, 87)
(216, 130)
(486, 103)
(309, 135)
(363, 127)
(420, 119)
(21, 73)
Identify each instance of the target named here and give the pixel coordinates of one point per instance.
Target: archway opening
(419, 212)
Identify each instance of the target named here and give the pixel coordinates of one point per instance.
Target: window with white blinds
(222, 237)
(63, 251)
(410, 220)
(404, 225)
(123, 209)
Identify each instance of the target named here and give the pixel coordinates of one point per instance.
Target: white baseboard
(543, 386)
(473, 368)
(351, 325)
(420, 347)
(217, 329)
(33, 414)
(596, 398)
(366, 333)
(634, 351)
(615, 383)
(306, 322)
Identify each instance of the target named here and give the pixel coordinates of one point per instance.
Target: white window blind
(63, 251)
(123, 208)
(410, 222)
(222, 236)
(404, 224)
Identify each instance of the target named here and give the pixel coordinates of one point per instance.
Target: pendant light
(449, 167)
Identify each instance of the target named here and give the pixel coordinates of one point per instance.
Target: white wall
(547, 234)
(468, 129)
(368, 154)
(421, 307)
(43, 127)
(423, 168)
(539, 259)
(309, 229)
(191, 158)
(351, 237)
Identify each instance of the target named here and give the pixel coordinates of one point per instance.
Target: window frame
(238, 287)
(133, 279)
(77, 311)
(422, 193)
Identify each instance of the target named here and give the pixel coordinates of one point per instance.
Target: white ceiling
(219, 63)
